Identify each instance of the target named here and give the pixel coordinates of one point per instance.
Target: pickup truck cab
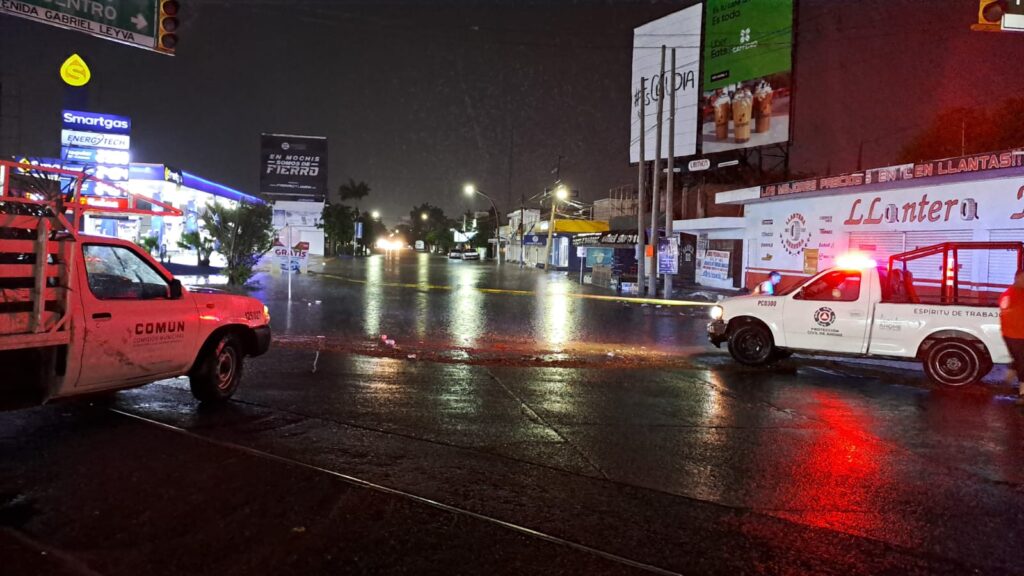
(83, 314)
(862, 309)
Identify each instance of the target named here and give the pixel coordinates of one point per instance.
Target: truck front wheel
(751, 344)
(218, 371)
(956, 363)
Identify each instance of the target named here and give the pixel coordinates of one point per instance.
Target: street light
(375, 215)
(471, 190)
(561, 194)
(424, 216)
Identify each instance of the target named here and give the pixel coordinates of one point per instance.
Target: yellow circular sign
(74, 71)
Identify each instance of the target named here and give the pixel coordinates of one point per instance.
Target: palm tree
(354, 191)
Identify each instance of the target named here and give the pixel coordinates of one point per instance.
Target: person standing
(769, 287)
(1011, 321)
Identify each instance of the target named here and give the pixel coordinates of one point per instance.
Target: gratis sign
(127, 21)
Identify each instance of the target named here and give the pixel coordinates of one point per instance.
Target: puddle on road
(504, 354)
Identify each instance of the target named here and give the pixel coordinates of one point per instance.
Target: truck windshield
(115, 272)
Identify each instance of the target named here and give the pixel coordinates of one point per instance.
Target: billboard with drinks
(747, 74)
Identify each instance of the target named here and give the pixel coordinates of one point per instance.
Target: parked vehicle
(862, 309)
(470, 254)
(82, 314)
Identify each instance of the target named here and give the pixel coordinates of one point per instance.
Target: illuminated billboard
(747, 74)
(679, 30)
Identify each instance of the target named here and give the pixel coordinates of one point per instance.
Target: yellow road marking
(657, 301)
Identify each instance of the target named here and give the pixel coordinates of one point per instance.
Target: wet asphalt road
(664, 456)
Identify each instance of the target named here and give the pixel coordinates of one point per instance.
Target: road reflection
(466, 307)
(373, 292)
(837, 479)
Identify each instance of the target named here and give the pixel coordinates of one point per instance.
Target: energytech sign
(95, 122)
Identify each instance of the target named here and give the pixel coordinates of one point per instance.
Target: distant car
(455, 254)
(470, 254)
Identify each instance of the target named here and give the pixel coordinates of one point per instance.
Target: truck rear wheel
(955, 363)
(219, 371)
(751, 344)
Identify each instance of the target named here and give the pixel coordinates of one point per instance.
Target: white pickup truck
(83, 314)
(862, 309)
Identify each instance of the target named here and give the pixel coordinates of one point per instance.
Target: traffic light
(167, 26)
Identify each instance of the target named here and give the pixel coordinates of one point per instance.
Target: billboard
(679, 30)
(747, 75)
(293, 167)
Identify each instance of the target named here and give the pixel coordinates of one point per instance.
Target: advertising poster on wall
(679, 30)
(714, 268)
(668, 255)
(748, 63)
(293, 167)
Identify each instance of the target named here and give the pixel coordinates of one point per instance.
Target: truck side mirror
(175, 289)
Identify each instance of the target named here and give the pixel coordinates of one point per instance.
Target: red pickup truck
(82, 314)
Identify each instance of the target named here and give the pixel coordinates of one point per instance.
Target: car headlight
(266, 314)
(717, 312)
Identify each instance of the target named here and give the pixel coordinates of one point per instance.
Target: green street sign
(130, 22)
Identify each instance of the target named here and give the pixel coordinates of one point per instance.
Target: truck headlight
(717, 312)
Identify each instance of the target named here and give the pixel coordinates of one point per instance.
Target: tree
(244, 234)
(201, 244)
(962, 131)
(354, 191)
(338, 223)
(150, 243)
(372, 230)
(435, 230)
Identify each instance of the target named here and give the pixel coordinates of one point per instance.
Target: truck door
(829, 314)
(133, 330)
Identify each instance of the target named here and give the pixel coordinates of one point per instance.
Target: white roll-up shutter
(1002, 265)
(877, 245)
(931, 268)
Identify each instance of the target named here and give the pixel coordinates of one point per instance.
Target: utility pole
(551, 234)
(670, 190)
(652, 274)
(641, 247)
(522, 230)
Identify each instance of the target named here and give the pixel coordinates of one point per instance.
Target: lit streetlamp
(375, 215)
(424, 216)
(471, 190)
(560, 195)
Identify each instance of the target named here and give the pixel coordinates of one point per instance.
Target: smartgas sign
(95, 122)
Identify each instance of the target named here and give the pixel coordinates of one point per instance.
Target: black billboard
(293, 167)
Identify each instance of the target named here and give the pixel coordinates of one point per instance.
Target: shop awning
(574, 226)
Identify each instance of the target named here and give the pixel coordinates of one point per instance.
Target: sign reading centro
(126, 21)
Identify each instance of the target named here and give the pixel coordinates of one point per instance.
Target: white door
(829, 314)
(133, 330)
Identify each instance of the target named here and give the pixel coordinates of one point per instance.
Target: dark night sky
(419, 97)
